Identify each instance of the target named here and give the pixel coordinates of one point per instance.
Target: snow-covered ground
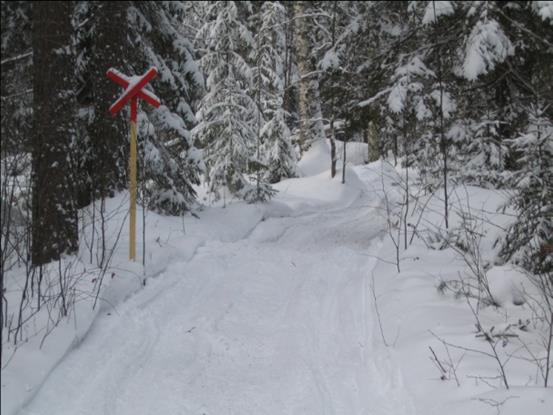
(292, 307)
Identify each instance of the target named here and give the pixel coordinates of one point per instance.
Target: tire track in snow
(263, 325)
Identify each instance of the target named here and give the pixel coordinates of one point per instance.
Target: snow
(415, 66)
(445, 100)
(374, 98)
(487, 46)
(544, 9)
(132, 81)
(405, 82)
(316, 160)
(507, 284)
(289, 307)
(412, 308)
(285, 331)
(397, 97)
(435, 9)
(330, 60)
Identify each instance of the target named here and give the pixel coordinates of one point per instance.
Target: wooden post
(134, 90)
(132, 183)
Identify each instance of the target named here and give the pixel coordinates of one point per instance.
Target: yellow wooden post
(132, 184)
(132, 93)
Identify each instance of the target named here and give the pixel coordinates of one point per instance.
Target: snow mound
(507, 285)
(315, 160)
(319, 191)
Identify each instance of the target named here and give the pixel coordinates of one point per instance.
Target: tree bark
(332, 149)
(344, 162)
(54, 213)
(443, 143)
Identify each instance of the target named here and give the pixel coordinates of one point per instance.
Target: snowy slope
(276, 322)
(317, 159)
(414, 314)
(292, 307)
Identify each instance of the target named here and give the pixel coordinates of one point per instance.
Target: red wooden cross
(134, 89)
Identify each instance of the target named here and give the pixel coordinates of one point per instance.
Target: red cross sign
(134, 89)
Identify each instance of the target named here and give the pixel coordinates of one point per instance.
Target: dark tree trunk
(366, 140)
(344, 162)
(54, 215)
(332, 149)
(443, 143)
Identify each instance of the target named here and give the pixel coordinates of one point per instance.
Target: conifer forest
(276, 207)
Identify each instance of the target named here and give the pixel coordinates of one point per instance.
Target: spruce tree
(54, 229)
(530, 237)
(147, 34)
(171, 162)
(228, 115)
(17, 76)
(276, 152)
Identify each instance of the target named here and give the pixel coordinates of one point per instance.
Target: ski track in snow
(279, 322)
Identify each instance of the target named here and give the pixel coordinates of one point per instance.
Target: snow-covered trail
(280, 322)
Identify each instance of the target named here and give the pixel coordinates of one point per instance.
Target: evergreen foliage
(171, 164)
(228, 114)
(17, 76)
(275, 149)
(531, 234)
